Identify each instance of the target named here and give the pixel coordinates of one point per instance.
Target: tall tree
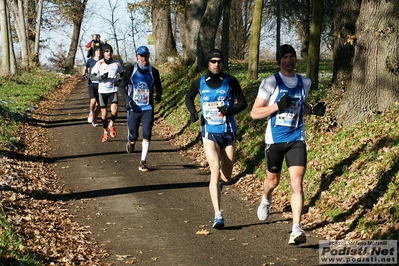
(240, 28)
(19, 13)
(190, 23)
(165, 45)
(37, 32)
(314, 43)
(6, 51)
(73, 10)
(207, 33)
(375, 76)
(345, 17)
(225, 33)
(253, 61)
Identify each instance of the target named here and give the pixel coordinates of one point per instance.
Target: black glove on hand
(319, 109)
(194, 117)
(225, 111)
(284, 102)
(158, 97)
(117, 83)
(104, 76)
(129, 104)
(84, 77)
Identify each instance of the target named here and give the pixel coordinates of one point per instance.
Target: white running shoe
(297, 236)
(263, 211)
(90, 118)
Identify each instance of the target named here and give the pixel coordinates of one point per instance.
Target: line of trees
(363, 35)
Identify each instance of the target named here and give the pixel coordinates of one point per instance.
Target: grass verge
(18, 96)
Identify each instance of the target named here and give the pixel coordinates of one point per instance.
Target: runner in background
(108, 72)
(94, 108)
(138, 87)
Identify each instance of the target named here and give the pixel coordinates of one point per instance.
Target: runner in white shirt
(108, 72)
(281, 99)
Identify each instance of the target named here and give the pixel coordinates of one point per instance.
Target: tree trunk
(5, 59)
(37, 35)
(345, 17)
(207, 34)
(314, 43)
(303, 28)
(241, 14)
(193, 12)
(226, 33)
(76, 13)
(253, 61)
(375, 77)
(16, 8)
(165, 45)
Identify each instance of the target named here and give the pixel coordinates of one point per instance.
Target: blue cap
(142, 50)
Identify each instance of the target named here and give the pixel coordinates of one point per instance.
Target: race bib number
(290, 116)
(212, 114)
(141, 96)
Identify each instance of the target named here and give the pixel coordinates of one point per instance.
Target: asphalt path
(153, 218)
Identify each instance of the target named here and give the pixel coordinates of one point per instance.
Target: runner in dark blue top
(138, 86)
(221, 97)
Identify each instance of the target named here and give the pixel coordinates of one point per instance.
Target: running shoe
(94, 122)
(297, 236)
(90, 118)
(218, 223)
(105, 137)
(143, 166)
(130, 147)
(263, 211)
(112, 131)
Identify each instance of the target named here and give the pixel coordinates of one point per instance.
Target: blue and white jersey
(287, 125)
(211, 99)
(139, 89)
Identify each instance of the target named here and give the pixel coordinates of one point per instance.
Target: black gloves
(158, 97)
(84, 77)
(284, 102)
(194, 117)
(319, 109)
(129, 104)
(225, 111)
(104, 76)
(117, 83)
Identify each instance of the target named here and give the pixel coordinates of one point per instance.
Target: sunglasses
(215, 61)
(107, 51)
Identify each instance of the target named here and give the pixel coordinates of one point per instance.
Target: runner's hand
(84, 77)
(129, 104)
(284, 102)
(158, 97)
(104, 76)
(194, 117)
(225, 111)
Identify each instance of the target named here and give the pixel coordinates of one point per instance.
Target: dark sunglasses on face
(107, 51)
(215, 61)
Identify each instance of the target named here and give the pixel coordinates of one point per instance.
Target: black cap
(214, 53)
(107, 47)
(283, 50)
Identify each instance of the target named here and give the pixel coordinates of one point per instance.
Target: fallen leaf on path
(202, 232)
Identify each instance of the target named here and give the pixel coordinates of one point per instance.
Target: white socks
(144, 152)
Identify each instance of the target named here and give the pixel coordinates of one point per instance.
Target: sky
(97, 20)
